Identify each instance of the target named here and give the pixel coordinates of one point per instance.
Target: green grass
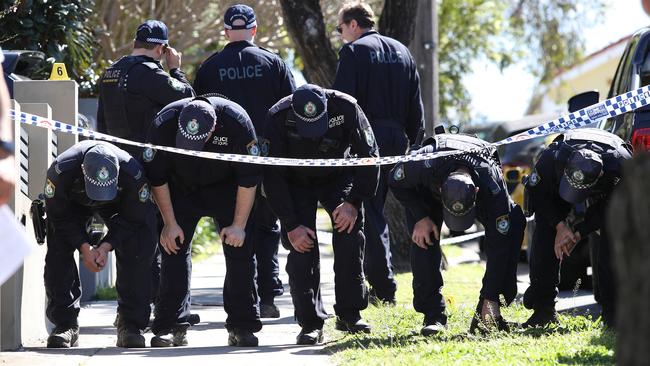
(395, 339)
(106, 293)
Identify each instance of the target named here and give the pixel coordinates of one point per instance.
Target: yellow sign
(59, 72)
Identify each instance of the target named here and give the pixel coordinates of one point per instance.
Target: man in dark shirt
(320, 124)
(256, 79)
(381, 74)
(187, 188)
(98, 178)
(569, 190)
(458, 190)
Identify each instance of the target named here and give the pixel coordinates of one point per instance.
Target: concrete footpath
(207, 340)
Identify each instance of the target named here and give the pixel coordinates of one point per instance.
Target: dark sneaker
(481, 326)
(269, 311)
(357, 326)
(175, 337)
(430, 330)
(242, 338)
(542, 316)
(129, 338)
(308, 337)
(63, 337)
(194, 319)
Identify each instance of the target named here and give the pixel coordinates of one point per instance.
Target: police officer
(381, 74)
(95, 177)
(187, 188)
(321, 123)
(135, 88)
(569, 190)
(256, 79)
(458, 190)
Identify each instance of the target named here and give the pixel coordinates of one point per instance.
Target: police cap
(239, 12)
(309, 104)
(581, 172)
(100, 169)
(152, 31)
(458, 195)
(196, 122)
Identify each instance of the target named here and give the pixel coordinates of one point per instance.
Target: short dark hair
(145, 45)
(359, 11)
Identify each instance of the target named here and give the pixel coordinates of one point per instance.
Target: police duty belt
(609, 108)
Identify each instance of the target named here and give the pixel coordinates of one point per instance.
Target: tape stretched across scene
(609, 108)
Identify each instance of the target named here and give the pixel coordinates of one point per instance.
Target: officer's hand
(565, 240)
(233, 236)
(422, 232)
(89, 257)
(168, 238)
(345, 216)
(302, 239)
(102, 254)
(172, 58)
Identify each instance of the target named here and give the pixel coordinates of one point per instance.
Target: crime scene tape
(609, 108)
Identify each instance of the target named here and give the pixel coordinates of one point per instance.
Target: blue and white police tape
(609, 108)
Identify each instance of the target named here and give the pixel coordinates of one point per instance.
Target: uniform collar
(240, 44)
(368, 33)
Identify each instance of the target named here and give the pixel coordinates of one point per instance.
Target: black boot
(63, 337)
(352, 325)
(242, 338)
(177, 336)
(309, 337)
(269, 310)
(128, 337)
(542, 316)
(489, 325)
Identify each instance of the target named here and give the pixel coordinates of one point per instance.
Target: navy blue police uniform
(129, 217)
(205, 187)
(131, 92)
(382, 75)
(572, 182)
(135, 88)
(256, 79)
(320, 123)
(420, 187)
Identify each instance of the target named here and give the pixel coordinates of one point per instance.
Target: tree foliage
(60, 29)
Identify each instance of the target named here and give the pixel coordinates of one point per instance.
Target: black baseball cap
(581, 172)
(152, 31)
(458, 195)
(196, 122)
(100, 169)
(241, 12)
(309, 104)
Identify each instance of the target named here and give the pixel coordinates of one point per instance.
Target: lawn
(395, 339)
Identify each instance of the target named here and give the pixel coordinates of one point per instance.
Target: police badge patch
(144, 193)
(148, 154)
(175, 84)
(503, 224)
(534, 178)
(398, 174)
(253, 148)
(102, 174)
(310, 109)
(264, 147)
(192, 126)
(369, 136)
(49, 189)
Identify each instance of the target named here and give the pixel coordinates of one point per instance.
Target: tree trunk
(629, 215)
(398, 20)
(304, 21)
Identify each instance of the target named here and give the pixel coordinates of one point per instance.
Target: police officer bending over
(321, 123)
(256, 79)
(95, 177)
(187, 188)
(381, 74)
(136, 87)
(458, 190)
(569, 190)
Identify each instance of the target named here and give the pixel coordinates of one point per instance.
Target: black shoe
(242, 338)
(193, 319)
(542, 316)
(493, 325)
(430, 330)
(175, 337)
(63, 337)
(269, 311)
(308, 337)
(129, 338)
(356, 326)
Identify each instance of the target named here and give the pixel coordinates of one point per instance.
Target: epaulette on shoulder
(132, 167)
(164, 116)
(283, 103)
(67, 165)
(344, 96)
(151, 65)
